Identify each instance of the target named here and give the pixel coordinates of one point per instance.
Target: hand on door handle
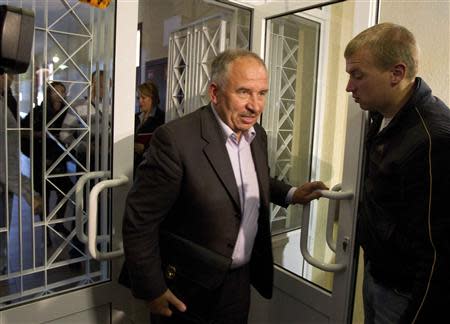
(308, 191)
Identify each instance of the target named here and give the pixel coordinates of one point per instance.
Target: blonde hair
(149, 89)
(389, 44)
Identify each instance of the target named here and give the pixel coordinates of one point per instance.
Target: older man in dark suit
(196, 228)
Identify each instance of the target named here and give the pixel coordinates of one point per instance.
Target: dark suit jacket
(151, 123)
(187, 186)
(148, 126)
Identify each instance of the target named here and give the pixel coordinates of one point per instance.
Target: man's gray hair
(221, 63)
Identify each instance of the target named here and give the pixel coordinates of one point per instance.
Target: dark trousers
(382, 304)
(228, 304)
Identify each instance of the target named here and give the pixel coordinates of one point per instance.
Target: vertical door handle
(92, 218)
(79, 193)
(329, 267)
(330, 219)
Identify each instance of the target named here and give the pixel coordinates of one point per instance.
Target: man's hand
(308, 192)
(160, 305)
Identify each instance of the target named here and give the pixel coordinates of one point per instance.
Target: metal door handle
(92, 218)
(329, 267)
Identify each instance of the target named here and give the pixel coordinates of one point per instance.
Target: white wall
(429, 22)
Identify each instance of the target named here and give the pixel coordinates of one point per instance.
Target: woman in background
(147, 120)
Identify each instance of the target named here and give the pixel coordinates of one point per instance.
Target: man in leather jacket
(403, 222)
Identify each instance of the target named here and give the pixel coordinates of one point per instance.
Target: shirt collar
(152, 113)
(248, 135)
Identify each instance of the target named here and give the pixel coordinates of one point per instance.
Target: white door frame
(110, 293)
(334, 306)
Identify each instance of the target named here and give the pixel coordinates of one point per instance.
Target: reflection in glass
(293, 64)
(304, 118)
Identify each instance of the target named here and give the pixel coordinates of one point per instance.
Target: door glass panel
(305, 120)
(62, 130)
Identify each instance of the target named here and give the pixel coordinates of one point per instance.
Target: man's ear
(398, 73)
(213, 90)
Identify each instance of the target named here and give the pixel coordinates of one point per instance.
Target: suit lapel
(259, 159)
(216, 153)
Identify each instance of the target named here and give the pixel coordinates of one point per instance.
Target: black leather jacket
(396, 208)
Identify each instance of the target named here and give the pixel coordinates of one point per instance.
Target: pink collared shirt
(241, 159)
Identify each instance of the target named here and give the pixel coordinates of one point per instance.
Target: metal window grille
(71, 40)
(191, 50)
(278, 118)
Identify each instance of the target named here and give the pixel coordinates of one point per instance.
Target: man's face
(370, 86)
(240, 101)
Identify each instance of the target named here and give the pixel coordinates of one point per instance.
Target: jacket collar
(421, 92)
(216, 152)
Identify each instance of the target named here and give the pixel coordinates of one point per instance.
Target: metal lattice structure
(289, 117)
(43, 254)
(278, 119)
(191, 50)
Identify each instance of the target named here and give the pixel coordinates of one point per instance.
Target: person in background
(55, 96)
(88, 121)
(10, 99)
(147, 120)
(196, 229)
(12, 182)
(404, 223)
(90, 113)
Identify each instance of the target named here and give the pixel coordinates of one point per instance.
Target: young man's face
(240, 101)
(370, 86)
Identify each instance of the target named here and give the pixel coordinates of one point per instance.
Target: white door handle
(329, 267)
(79, 193)
(335, 195)
(330, 217)
(92, 218)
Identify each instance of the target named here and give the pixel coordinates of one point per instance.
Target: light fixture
(55, 59)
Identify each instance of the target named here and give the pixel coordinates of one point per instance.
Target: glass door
(314, 133)
(54, 270)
